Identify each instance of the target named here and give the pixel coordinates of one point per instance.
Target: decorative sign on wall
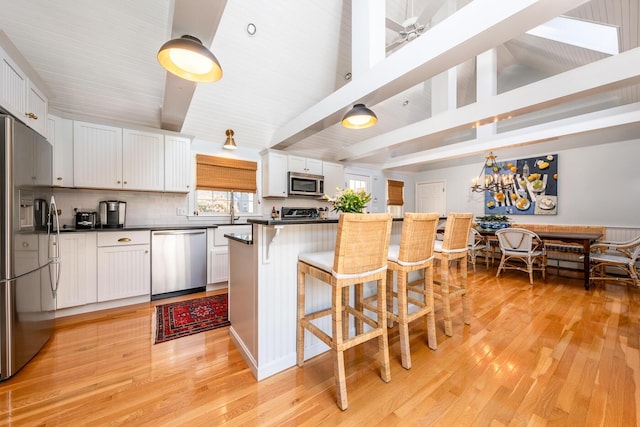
(534, 191)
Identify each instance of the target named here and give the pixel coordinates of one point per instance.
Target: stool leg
(389, 297)
(428, 300)
(444, 290)
(466, 308)
(299, 327)
(340, 322)
(403, 326)
(358, 297)
(383, 340)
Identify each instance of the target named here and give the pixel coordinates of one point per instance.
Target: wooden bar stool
(453, 248)
(412, 300)
(360, 256)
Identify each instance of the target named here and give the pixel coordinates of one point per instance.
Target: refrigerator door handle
(55, 259)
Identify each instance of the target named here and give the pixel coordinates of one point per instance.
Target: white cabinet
(177, 164)
(97, 155)
(333, 177)
(34, 152)
(20, 97)
(304, 165)
(110, 157)
(274, 174)
(60, 134)
(124, 264)
(142, 160)
(77, 285)
(218, 251)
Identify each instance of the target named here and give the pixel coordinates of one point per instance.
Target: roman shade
(395, 192)
(224, 174)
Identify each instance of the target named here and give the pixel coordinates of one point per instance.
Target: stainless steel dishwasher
(178, 262)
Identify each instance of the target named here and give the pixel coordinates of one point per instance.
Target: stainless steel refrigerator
(29, 267)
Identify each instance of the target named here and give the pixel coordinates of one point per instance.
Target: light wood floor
(547, 354)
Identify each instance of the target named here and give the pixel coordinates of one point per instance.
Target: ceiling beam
(586, 123)
(465, 34)
(198, 18)
(599, 76)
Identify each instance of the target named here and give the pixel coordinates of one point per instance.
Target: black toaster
(86, 220)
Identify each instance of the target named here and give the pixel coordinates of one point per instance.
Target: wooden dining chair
(478, 245)
(453, 248)
(360, 256)
(413, 300)
(620, 257)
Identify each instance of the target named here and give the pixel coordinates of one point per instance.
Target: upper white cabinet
(177, 164)
(110, 157)
(60, 134)
(97, 155)
(142, 160)
(304, 165)
(333, 177)
(20, 97)
(274, 174)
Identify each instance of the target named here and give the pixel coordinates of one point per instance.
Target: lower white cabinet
(124, 264)
(77, 285)
(218, 251)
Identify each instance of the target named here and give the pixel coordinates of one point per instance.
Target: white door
(430, 197)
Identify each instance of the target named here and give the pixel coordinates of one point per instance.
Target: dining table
(584, 239)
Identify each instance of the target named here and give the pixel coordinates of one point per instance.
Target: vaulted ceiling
(287, 86)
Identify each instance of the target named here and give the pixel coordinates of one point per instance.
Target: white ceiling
(285, 86)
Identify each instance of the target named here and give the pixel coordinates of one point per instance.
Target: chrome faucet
(232, 210)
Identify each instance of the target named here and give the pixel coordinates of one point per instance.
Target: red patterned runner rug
(179, 319)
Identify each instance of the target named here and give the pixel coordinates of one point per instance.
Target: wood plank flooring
(547, 354)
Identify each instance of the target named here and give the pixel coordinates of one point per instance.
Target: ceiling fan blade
(586, 34)
(393, 25)
(430, 9)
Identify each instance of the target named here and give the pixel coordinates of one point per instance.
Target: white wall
(597, 185)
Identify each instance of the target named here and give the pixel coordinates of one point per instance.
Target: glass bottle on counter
(525, 170)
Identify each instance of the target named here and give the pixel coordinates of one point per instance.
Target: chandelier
(495, 180)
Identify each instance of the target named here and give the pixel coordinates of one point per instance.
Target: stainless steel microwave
(304, 184)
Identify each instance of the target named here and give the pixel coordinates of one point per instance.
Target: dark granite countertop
(297, 221)
(66, 228)
(246, 238)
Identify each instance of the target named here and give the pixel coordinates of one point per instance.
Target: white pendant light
(187, 58)
(230, 144)
(359, 117)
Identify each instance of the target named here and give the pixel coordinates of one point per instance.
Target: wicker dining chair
(411, 301)
(519, 245)
(360, 255)
(453, 248)
(477, 246)
(620, 256)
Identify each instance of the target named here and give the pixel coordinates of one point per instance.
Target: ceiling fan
(413, 25)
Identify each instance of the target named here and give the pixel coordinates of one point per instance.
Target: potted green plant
(348, 200)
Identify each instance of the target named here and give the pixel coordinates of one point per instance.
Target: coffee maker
(112, 213)
(40, 213)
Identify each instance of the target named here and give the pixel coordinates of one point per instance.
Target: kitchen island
(263, 291)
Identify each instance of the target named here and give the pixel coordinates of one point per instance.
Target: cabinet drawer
(123, 238)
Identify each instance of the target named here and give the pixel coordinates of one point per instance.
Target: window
(218, 202)
(221, 181)
(395, 198)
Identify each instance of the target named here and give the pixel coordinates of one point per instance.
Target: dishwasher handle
(177, 232)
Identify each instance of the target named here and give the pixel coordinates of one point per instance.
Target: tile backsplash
(142, 208)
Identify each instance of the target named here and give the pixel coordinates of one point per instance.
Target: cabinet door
(274, 175)
(60, 133)
(177, 164)
(333, 177)
(314, 166)
(77, 285)
(97, 156)
(296, 164)
(142, 160)
(36, 112)
(219, 262)
(123, 271)
(13, 87)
